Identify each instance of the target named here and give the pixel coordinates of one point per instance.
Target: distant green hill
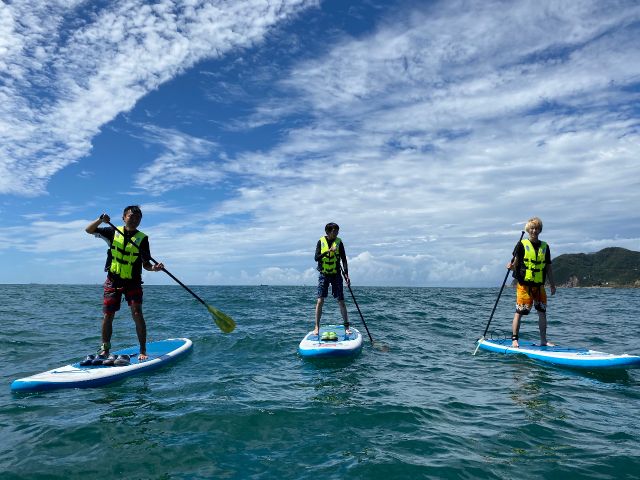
(610, 267)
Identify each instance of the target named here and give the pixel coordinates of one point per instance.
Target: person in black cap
(329, 252)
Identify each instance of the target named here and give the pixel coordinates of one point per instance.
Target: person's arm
(93, 226)
(551, 280)
(549, 269)
(105, 233)
(343, 257)
(145, 255)
(318, 255)
(345, 268)
(518, 253)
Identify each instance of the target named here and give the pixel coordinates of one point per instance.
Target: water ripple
(245, 405)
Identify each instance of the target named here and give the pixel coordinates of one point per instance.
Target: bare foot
(142, 357)
(515, 344)
(347, 331)
(315, 332)
(548, 344)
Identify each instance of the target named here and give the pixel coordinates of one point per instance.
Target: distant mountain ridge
(610, 267)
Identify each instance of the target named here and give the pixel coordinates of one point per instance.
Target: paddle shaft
(356, 303)
(501, 288)
(163, 269)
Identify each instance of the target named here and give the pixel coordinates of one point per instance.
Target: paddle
(224, 321)
(382, 348)
(497, 299)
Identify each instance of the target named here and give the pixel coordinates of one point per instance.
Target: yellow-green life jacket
(534, 264)
(329, 263)
(123, 257)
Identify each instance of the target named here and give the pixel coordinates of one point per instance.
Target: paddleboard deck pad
(563, 356)
(76, 376)
(314, 346)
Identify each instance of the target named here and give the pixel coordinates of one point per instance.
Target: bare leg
(107, 330)
(542, 325)
(141, 330)
(515, 329)
(319, 305)
(345, 316)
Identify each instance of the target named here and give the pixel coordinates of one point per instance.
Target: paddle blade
(478, 344)
(381, 347)
(224, 321)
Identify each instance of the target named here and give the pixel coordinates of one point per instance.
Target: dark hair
(133, 209)
(331, 226)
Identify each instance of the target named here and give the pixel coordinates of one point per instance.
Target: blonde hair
(535, 221)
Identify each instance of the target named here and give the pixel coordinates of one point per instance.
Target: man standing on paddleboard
(531, 268)
(329, 252)
(128, 253)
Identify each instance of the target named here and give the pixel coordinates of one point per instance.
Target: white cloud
(61, 86)
(184, 162)
(47, 236)
(430, 140)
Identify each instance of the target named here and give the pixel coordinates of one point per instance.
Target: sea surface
(247, 406)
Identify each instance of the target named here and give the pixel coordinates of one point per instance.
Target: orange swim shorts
(528, 296)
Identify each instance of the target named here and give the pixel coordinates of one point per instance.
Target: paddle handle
(501, 288)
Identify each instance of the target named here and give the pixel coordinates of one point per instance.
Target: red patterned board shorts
(529, 296)
(112, 296)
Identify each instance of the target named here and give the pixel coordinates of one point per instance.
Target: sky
(430, 131)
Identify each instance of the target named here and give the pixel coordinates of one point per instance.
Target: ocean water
(245, 405)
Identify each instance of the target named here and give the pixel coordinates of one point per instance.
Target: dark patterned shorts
(112, 296)
(335, 280)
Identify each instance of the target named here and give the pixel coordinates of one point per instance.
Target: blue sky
(430, 131)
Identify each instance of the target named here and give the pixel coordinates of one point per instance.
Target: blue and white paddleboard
(312, 346)
(564, 356)
(76, 376)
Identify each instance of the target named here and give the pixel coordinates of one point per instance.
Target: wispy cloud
(184, 161)
(68, 68)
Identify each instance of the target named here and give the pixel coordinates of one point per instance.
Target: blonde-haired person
(531, 268)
